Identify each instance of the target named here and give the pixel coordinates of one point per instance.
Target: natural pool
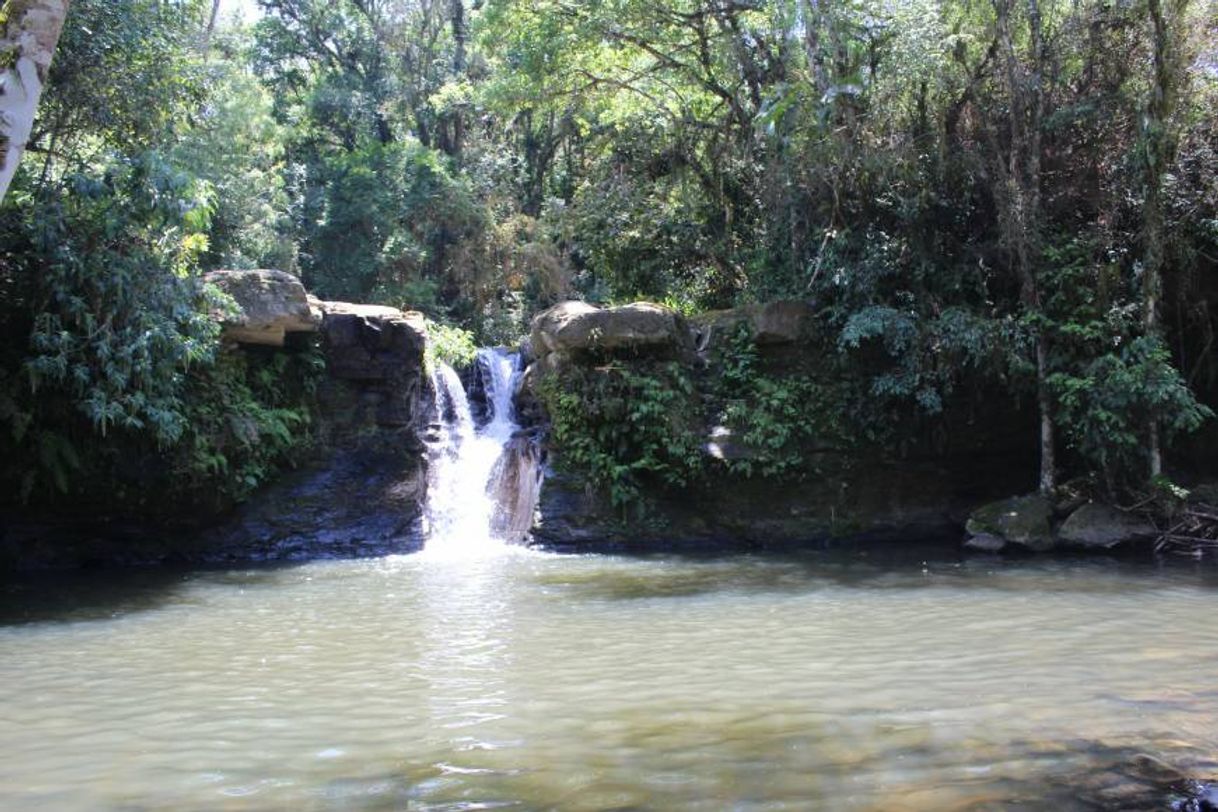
(885, 678)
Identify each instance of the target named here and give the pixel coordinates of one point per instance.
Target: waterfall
(484, 479)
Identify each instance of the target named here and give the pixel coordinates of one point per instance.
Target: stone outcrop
(577, 329)
(374, 359)
(270, 304)
(364, 493)
(774, 323)
(1098, 526)
(1021, 521)
(923, 489)
(892, 505)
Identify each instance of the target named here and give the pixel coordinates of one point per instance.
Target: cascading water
(484, 480)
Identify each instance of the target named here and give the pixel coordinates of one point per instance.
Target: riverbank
(653, 432)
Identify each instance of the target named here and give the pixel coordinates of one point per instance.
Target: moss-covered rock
(773, 323)
(1024, 521)
(1100, 526)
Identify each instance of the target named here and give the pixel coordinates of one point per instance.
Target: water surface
(865, 680)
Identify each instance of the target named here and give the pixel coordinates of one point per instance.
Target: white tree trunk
(28, 42)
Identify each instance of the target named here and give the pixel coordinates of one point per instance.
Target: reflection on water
(881, 679)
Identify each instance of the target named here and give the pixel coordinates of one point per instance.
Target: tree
(1158, 151)
(1019, 197)
(31, 32)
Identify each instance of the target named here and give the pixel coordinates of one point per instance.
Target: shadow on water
(76, 596)
(91, 595)
(876, 566)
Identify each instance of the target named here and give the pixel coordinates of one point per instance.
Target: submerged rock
(1199, 796)
(986, 543)
(1099, 526)
(271, 304)
(1023, 521)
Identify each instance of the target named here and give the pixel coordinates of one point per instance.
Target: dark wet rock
(986, 543)
(270, 305)
(51, 543)
(1099, 526)
(375, 365)
(364, 491)
(359, 502)
(371, 343)
(516, 482)
(749, 514)
(1023, 521)
(1197, 796)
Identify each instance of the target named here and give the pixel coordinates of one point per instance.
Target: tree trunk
(1048, 446)
(30, 36)
(211, 26)
(1158, 151)
(814, 21)
(1019, 199)
(455, 141)
(460, 35)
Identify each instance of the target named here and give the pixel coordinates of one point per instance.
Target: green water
(870, 680)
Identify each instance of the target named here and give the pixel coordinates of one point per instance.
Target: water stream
(483, 487)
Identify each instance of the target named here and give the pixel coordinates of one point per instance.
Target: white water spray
(463, 497)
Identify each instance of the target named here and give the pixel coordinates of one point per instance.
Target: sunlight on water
(532, 681)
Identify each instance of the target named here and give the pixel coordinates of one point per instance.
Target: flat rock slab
(578, 327)
(270, 305)
(786, 321)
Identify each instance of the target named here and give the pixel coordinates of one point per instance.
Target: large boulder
(574, 328)
(363, 494)
(270, 304)
(773, 323)
(1099, 526)
(1022, 521)
(371, 342)
(375, 359)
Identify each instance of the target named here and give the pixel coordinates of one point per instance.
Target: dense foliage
(627, 426)
(1025, 192)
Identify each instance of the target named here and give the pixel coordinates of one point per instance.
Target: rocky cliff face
(364, 493)
(921, 487)
(361, 492)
